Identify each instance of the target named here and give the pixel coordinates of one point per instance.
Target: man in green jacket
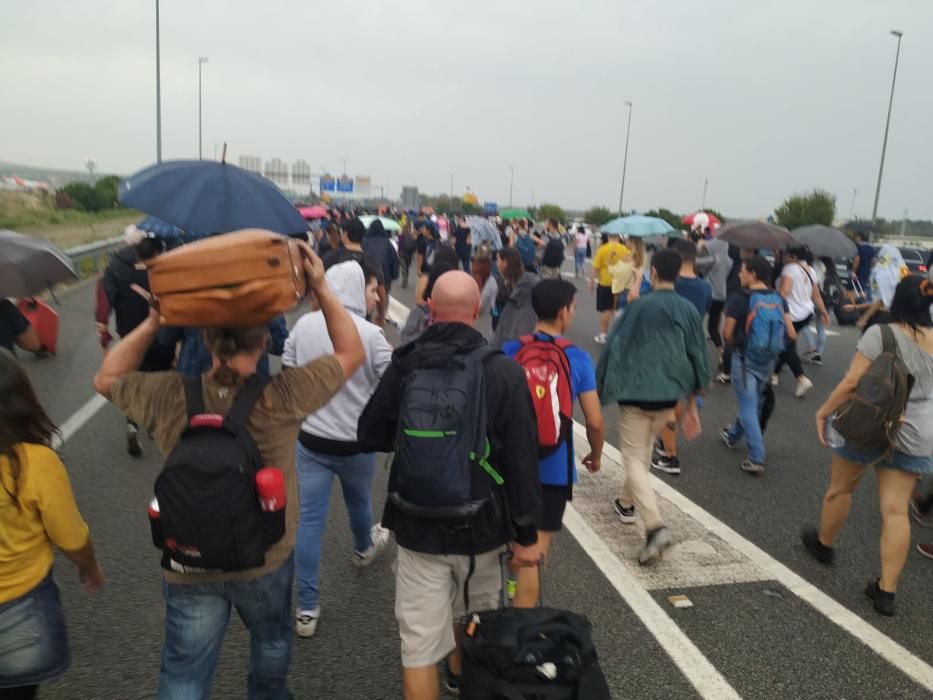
(655, 356)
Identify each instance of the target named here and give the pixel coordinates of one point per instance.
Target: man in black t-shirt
(426, 246)
(15, 329)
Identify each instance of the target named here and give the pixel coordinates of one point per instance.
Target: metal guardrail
(87, 258)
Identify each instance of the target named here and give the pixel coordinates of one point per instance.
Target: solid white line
(77, 419)
(703, 676)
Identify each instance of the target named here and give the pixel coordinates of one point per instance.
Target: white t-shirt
(581, 239)
(819, 272)
(800, 297)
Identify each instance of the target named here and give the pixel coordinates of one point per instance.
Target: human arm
(817, 297)
(540, 242)
(728, 330)
(102, 311)
(595, 429)
(869, 312)
(789, 326)
(128, 354)
(856, 262)
(786, 285)
(377, 424)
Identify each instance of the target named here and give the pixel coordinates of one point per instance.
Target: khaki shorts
(429, 599)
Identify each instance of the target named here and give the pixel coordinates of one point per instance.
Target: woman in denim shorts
(37, 511)
(897, 469)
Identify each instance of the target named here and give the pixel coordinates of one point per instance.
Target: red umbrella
(710, 220)
(315, 212)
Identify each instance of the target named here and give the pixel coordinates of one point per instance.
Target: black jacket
(377, 246)
(129, 307)
(512, 432)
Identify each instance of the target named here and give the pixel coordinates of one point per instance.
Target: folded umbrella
(825, 242)
(637, 226)
(756, 235)
(206, 197)
(29, 265)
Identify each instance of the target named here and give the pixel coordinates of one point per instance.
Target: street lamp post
(158, 93)
(628, 130)
(511, 182)
(201, 61)
(887, 125)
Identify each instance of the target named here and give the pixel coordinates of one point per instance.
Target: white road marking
(77, 419)
(698, 670)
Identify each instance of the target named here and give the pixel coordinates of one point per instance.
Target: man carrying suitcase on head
(464, 482)
(198, 602)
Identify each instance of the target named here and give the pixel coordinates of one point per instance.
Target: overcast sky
(762, 97)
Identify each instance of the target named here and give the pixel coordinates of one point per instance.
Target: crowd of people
(481, 429)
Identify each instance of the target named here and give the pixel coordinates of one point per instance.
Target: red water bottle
(270, 488)
(155, 524)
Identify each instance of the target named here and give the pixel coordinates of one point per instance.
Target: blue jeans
(196, 617)
(749, 391)
(579, 256)
(816, 338)
(33, 641)
(316, 473)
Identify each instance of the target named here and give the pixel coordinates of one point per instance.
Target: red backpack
(547, 370)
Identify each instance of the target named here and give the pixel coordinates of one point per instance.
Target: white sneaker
(774, 380)
(803, 386)
(600, 339)
(379, 538)
(306, 622)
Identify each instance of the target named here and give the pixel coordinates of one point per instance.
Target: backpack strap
(526, 339)
(888, 342)
(194, 402)
(243, 404)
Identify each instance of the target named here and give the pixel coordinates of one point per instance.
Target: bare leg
(528, 584)
(844, 478)
(421, 683)
(894, 491)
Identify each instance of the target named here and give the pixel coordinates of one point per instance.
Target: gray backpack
(869, 421)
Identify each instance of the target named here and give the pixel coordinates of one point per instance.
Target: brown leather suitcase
(238, 279)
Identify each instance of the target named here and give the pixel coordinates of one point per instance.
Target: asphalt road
(760, 637)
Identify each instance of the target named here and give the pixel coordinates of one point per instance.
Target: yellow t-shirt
(47, 515)
(604, 256)
(623, 274)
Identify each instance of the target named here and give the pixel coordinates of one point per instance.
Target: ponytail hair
(226, 343)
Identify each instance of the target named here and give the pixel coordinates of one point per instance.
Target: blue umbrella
(160, 229)
(205, 197)
(637, 226)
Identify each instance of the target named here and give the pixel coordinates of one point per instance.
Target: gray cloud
(763, 98)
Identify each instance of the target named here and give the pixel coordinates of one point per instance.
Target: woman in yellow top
(602, 281)
(37, 512)
(627, 273)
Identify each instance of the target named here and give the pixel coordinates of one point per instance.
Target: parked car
(915, 259)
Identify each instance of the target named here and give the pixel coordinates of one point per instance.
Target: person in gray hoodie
(513, 314)
(327, 444)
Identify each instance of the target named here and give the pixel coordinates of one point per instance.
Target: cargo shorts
(429, 599)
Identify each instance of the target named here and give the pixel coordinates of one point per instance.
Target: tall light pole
(887, 125)
(158, 93)
(628, 130)
(511, 182)
(852, 210)
(201, 61)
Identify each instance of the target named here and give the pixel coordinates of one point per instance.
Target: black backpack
(210, 514)
(441, 456)
(553, 252)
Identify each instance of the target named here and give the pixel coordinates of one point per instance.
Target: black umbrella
(29, 265)
(756, 235)
(825, 242)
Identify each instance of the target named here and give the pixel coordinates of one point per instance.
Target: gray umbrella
(825, 242)
(29, 265)
(755, 235)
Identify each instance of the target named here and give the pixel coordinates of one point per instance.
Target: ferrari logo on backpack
(540, 391)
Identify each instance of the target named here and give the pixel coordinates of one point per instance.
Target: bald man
(432, 550)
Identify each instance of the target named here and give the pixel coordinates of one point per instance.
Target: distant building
(251, 163)
(411, 199)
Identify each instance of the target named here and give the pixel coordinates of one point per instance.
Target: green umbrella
(508, 214)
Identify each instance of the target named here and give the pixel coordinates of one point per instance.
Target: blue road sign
(490, 207)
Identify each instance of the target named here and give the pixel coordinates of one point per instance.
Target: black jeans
(789, 357)
(714, 321)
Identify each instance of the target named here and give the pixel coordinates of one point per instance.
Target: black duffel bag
(530, 654)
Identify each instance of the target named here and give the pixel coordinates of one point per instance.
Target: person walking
(327, 444)
(757, 320)
(513, 314)
(38, 514)
(379, 249)
(816, 336)
(555, 306)
(452, 512)
(698, 292)
(803, 296)
(862, 263)
(15, 330)
(908, 459)
(463, 243)
(715, 264)
(420, 315)
(552, 253)
(601, 279)
(407, 245)
(527, 243)
(125, 286)
(262, 594)
(581, 242)
(655, 356)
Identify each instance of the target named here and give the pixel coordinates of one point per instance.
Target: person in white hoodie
(327, 444)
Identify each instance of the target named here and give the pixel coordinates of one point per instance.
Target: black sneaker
(884, 601)
(657, 541)
(668, 465)
(451, 679)
(626, 515)
(811, 540)
(659, 448)
(816, 359)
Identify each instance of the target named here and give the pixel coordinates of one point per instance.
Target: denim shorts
(33, 641)
(921, 466)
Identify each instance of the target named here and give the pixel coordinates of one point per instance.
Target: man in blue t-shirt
(698, 292)
(862, 262)
(553, 302)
